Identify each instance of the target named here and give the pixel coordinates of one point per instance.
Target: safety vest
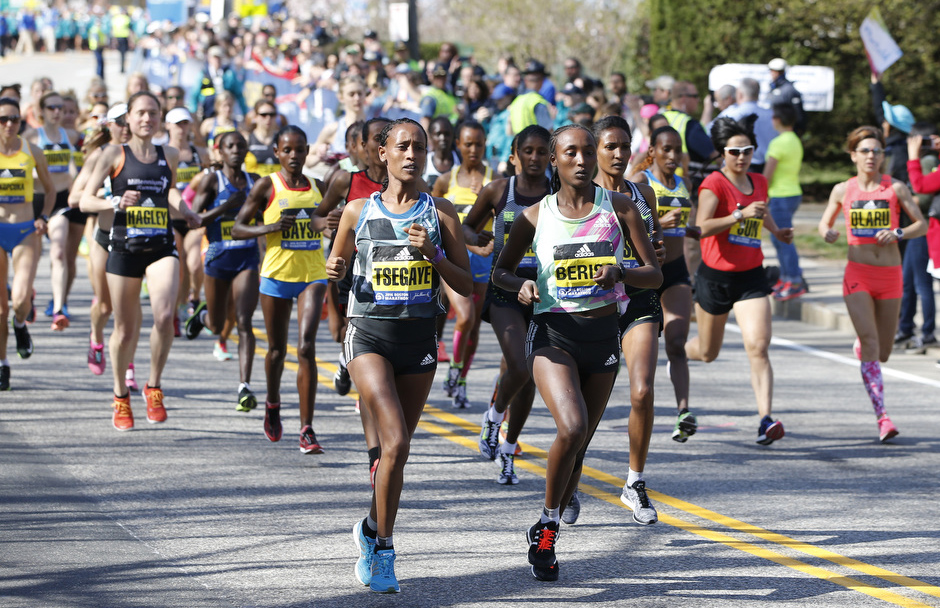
(522, 110)
(678, 121)
(446, 104)
(121, 26)
(96, 38)
(206, 87)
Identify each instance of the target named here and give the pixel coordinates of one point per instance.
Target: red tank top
(866, 213)
(738, 248)
(360, 186)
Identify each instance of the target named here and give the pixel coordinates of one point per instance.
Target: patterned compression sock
(455, 361)
(874, 384)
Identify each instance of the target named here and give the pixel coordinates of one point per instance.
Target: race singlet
(147, 220)
(13, 185)
(300, 236)
(529, 260)
(867, 218)
(400, 275)
(58, 157)
(576, 265)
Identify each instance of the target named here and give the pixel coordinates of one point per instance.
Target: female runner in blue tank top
(406, 243)
(507, 198)
(231, 265)
(578, 237)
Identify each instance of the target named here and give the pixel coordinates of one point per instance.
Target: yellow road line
(691, 509)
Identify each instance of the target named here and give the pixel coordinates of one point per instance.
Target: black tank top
(145, 227)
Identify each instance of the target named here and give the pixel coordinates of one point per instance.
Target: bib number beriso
(400, 275)
(576, 265)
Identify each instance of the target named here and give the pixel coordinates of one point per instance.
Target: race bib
(12, 186)
(266, 168)
(529, 260)
(147, 220)
(57, 158)
(231, 243)
(746, 232)
(866, 218)
(667, 204)
(184, 175)
(575, 266)
(400, 275)
(300, 236)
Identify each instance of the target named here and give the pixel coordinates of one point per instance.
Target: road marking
(850, 361)
(471, 443)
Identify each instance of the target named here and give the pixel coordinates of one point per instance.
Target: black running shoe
(24, 344)
(194, 323)
(341, 381)
(246, 400)
(542, 538)
(4, 377)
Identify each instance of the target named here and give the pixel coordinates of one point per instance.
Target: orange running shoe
(155, 410)
(123, 418)
(59, 322)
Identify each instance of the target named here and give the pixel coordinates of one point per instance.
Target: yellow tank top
(463, 197)
(16, 176)
(295, 255)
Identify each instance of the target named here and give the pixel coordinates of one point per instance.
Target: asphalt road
(204, 511)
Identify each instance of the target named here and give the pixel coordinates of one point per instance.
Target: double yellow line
(467, 435)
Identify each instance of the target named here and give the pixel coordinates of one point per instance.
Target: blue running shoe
(366, 550)
(383, 572)
(770, 430)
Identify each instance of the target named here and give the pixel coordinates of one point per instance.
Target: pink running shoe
(886, 429)
(96, 361)
(129, 378)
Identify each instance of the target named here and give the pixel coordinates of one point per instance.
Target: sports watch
(899, 232)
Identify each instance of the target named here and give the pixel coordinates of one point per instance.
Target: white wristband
(116, 203)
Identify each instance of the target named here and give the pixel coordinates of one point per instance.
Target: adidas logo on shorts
(612, 360)
(405, 255)
(584, 252)
(428, 360)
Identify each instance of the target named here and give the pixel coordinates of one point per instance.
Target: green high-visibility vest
(522, 110)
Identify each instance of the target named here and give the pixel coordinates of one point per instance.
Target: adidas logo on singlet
(56, 147)
(404, 255)
(148, 203)
(428, 360)
(602, 222)
(302, 215)
(611, 361)
(674, 202)
(584, 252)
(6, 174)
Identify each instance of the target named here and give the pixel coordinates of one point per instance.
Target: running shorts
(480, 267)
(126, 264)
(675, 273)
(496, 296)
(716, 291)
(881, 282)
(644, 307)
(229, 263)
(410, 345)
(287, 290)
(593, 342)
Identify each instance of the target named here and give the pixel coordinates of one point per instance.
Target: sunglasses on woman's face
(53, 108)
(739, 151)
(6, 120)
(121, 122)
(267, 114)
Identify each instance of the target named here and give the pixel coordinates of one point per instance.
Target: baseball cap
(534, 67)
(402, 68)
(117, 111)
(898, 116)
(571, 88)
(582, 108)
(663, 82)
(777, 65)
(178, 115)
(439, 71)
(649, 110)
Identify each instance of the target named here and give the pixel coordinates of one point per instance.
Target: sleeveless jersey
(219, 232)
(260, 158)
(866, 213)
(145, 226)
(738, 248)
(16, 176)
(507, 210)
(670, 199)
(646, 213)
(361, 186)
(294, 255)
(187, 170)
(463, 197)
(569, 252)
(391, 278)
(78, 157)
(59, 153)
(431, 173)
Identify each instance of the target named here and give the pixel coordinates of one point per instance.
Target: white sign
(817, 84)
(880, 47)
(398, 21)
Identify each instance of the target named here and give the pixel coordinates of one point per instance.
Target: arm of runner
(344, 241)
(174, 198)
(256, 202)
(441, 185)
(648, 275)
(918, 226)
(829, 215)
(481, 212)
(42, 172)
